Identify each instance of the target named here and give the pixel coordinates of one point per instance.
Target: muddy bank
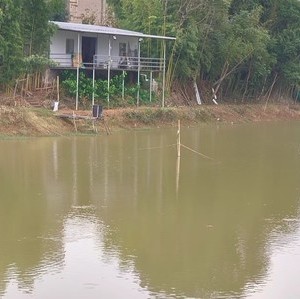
(26, 121)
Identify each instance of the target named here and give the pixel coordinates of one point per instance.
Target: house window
(122, 49)
(69, 46)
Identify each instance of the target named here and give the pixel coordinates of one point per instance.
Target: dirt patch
(28, 121)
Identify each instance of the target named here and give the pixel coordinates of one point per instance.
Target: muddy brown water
(121, 217)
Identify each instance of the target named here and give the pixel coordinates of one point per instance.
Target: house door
(88, 49)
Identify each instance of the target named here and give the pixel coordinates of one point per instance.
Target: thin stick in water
(178, 140)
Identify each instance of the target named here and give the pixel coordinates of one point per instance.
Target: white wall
(58, 41)
(58, 44)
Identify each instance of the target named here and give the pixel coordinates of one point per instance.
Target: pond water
(121, 216)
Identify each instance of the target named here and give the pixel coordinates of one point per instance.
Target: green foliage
(36, 63)
(35, 27)
(285, 34)
(10, 42)
(85, 90)
(24, 37)
(240, 44)
(57, 10)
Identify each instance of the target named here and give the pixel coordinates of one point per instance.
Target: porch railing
(104, 61)
(62, 60)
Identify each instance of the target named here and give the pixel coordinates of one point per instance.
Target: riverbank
(27, 121)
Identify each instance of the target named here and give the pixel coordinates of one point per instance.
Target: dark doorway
(88, 49)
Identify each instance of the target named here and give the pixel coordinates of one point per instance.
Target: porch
(106, 49)
(104, 62)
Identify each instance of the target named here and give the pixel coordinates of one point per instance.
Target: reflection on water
(121, 217)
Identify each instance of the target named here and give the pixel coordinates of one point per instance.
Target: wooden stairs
(33, 101)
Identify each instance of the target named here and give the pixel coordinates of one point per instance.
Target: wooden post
(74, 121)
(15, 89)
(177, 174)
(94, 127)
(178, 140)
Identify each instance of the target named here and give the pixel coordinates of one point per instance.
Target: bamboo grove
(241, 48)
(24, 36)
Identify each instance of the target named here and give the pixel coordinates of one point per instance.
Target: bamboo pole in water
(178, 140)
(74, 121)
(177, 174)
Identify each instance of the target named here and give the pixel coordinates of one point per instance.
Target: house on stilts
(104, 49)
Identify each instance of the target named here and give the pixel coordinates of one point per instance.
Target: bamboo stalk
(177, 174)
(15, 90)
(107, 129)
(178, 140)
(74, 121)
(39, 80)
(190, 149)
(34, 82)
(27, 82)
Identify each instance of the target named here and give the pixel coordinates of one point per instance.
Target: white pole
(177, 174)
(57, 82)
(178, 139)
(164, 74)
(139, 70)
(108, 70)
(93, 97)
(123, 86)
(151, 81)
(77, 81)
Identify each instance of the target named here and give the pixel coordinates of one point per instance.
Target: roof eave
(129, 34)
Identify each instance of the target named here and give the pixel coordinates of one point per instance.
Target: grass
(21, 121)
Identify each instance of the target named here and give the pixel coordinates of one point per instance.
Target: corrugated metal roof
(77, 27)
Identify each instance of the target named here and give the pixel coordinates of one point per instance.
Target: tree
(10, 41)
(24, 36)
(57, 10)
(244, 46)
(36, 30)
(285, 32)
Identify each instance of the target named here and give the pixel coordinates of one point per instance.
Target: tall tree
(35, 26)
(244, 46)
(10, 41)
(57, 10)
(285, 32)
(25, 34)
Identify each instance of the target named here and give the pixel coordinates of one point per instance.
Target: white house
(82, 45)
